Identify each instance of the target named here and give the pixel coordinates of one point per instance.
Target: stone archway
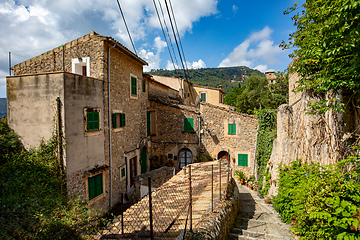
(223, 155)
(185, 157)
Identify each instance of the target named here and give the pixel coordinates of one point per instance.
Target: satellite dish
(197, 100)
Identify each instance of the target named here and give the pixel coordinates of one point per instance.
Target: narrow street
(257, 220)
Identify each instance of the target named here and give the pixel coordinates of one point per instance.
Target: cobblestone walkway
(257, 220)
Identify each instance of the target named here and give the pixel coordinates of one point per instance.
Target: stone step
(259, 215)
(247, 234)
(246, 223)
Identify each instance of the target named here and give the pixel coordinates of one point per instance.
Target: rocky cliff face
(323, 139)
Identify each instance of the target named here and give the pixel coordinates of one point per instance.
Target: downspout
(109, 124)
(257, 134)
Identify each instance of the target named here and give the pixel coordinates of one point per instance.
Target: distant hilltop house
(270, 75)
(115, 121)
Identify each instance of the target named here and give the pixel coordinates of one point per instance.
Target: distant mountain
(3, 107)
(228, 77)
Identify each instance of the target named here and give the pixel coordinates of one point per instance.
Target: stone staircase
(257, 220)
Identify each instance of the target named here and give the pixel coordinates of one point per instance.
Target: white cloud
(197, 65)
(257, 51)
(234, 9)
(153, 59)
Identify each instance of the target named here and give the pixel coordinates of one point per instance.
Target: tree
(327, 46)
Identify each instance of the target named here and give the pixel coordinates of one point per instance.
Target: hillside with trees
(228, 77)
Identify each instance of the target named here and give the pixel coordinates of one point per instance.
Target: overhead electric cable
(168, 33)
(162, 28)
(172, 26)
(127, 29)
(177, 30)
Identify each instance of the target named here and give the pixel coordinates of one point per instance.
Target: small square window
(92, 120)
(133, 86)
(144, 85)
(232, 128)
(188, 124)
(118, 120)
(122, 172)
(243, 160)
(175, 157)
(170, 156)
(95, 186)
(203, 97)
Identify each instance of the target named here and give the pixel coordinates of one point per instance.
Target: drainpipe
(109, 124)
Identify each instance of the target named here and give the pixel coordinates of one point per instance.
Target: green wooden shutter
(231, 128)
(188, 124)
(203, 97)
(114, 120)
(243, 160)
(133, 86)
(122, 119)
(89, 121)
(123, 172)
(96, 121)
(95, 186)
(148, 123)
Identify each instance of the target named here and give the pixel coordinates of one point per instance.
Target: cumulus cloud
(26, 25)
(197, 65)
(194, 65)
(257, 51)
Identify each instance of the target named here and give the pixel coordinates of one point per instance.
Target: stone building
(92, 92)
(270, 75)
(79, 74)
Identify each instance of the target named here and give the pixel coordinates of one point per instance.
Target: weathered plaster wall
(215, 137)
(32, 106)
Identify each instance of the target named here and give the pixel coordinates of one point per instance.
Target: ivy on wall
(266, 136)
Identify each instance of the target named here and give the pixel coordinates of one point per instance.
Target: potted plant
(240, 175)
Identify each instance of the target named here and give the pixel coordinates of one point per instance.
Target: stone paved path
(257, 220)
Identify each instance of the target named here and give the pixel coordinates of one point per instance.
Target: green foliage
(240, 175)
(9, 141)
(203, 158)
(321, 202)
(257, 94)
(160, 161)
(34, 203)
(327, 47)
(213, 77)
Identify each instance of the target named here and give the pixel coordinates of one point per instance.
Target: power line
(177, 30)
(172, 26)
(172, 60)
(167, 29)
(127, 29)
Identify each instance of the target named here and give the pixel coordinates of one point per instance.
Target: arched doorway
(223, 155)
(143, 160)
(185, 157)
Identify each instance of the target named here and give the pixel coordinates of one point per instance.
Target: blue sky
(214, 33)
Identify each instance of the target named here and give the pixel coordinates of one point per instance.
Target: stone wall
(90, 45)
(217, 224)
(215, 137)
(170, 137)
(158, 177)
(315, 138)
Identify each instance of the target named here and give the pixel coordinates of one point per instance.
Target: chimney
(220, 87)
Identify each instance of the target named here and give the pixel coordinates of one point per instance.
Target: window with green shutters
(122, 172)
(243, 160)
(203, 97)
(118, 120)
(188, 124)
(92, 121)
(95, 186)
(133, 86)
(170, 156)
(232, 128)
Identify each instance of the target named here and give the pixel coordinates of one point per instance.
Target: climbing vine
(266, 136)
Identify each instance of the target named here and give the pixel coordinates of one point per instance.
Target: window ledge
(189, 131)
(93, 133)
(95, 199)
(120, 129)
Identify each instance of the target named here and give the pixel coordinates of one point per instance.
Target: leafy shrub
(9, 141)
(321, 202)
(34, 203)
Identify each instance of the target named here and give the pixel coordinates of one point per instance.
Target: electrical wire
(162, 28)
(177, 30)
(172, 26)
(127, 29)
